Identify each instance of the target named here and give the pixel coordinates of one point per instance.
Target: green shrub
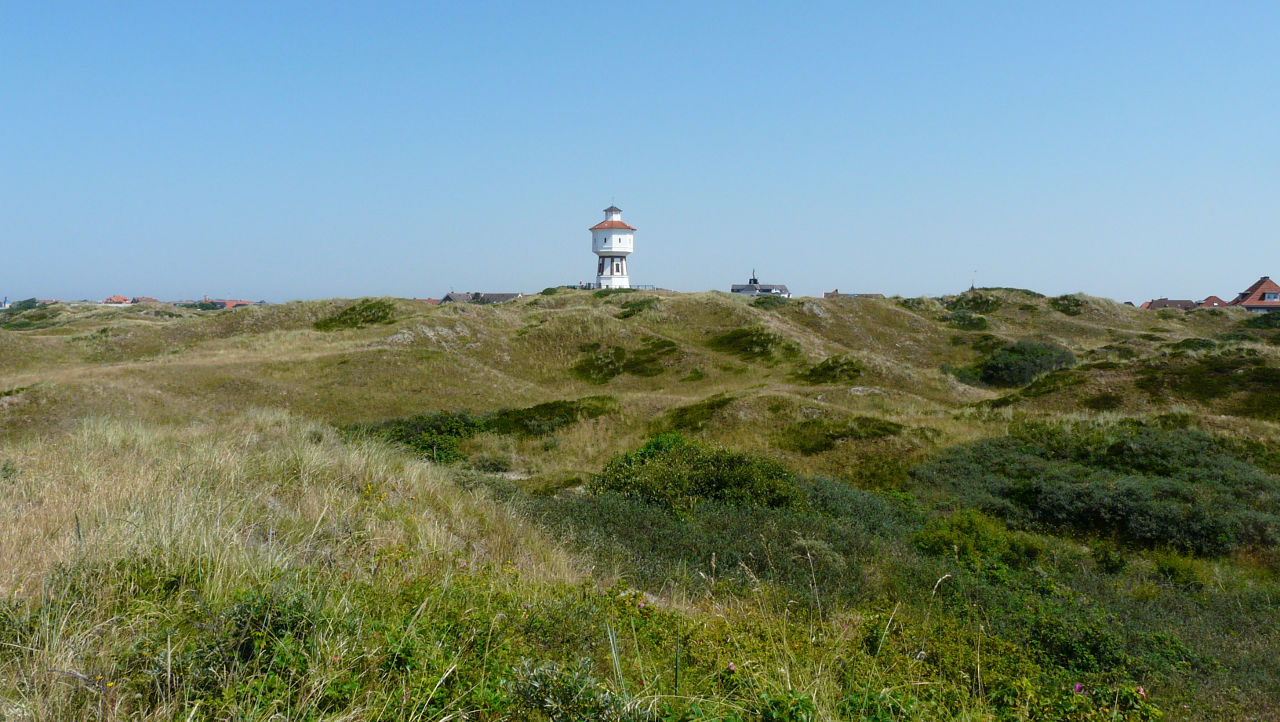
(1191, 344)
(1262, 320)
(831, 370)
(606, 292)
(549, 291)
(602, 364)
(358, 315)
(965, 321)
(566, 694)
(631, 308)
(971, 537)
(695, 416)
(769, 303)
(1152, 487)
(752, 344)
(1070, 305)
(974, 301)
(543, 419)
(814, 436)
(1105, 401)
(1020, 363)
(1243, 376)
(679, 474)
(1109, 558)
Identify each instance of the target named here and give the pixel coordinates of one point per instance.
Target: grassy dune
(235, 515)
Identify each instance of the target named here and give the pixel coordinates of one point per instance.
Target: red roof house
(1211, 302)
(115, 299)
(144, 299)
(1262, 296)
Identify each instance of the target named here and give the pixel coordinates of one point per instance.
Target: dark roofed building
(1159, 303)
(836, 294)
(753, 287)
(480, 298)
(1261, 297)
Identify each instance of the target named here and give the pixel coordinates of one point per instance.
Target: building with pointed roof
(1261, 297)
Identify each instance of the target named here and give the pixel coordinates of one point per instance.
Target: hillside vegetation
(640, 506)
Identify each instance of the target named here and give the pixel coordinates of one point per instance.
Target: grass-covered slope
(640, 506)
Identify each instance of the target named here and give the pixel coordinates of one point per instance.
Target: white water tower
(612, 240)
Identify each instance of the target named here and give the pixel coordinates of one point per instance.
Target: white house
(612, 241)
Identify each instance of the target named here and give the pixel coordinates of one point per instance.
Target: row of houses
(206, 302)
(1262, 297)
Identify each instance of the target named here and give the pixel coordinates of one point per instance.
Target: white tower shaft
(612, 241)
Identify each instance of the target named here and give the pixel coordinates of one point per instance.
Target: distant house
(143, 299)
(115, 300)
(1159, 303)
(480, 298)
(836, 294)
(1263, 296)
(1211, 302)
(753, 287)
(226, 303)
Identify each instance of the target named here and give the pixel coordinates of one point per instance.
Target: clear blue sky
(305, 150)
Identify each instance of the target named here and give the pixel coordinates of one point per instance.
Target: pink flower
(732, 668)
(1079, 688)
(642, 605)
(1142, 693)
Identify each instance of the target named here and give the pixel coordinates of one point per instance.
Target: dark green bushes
(1262, 320)
(814, 436)
(606, 292)
(965, 321)
(974, 302)
(600, 364)
(694, 417)
(831, 370)
(1190, 344)
(549, 417)
(1244, 377)
(752, 344)
(631, 308)
(679, 474)
(358, 315)
(1020, 363)
(1070, 305)
(769, 303)
(1146, 486)
(437, 435)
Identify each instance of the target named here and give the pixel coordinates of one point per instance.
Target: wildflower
(1142, 693)
(642, 605)
(463, 565)
(732, 668)
(111, 684)
(1079, 688)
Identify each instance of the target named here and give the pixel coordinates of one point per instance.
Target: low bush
(753, 344)
(974, 301)
(814, 436)
(695, 416)
(363, 313)
(769, 303)
(631, 308)
(1020, 363)
(965, 321)
(1190, 344)
(972, 537)
(1244, 377)
(831, 370)
(1070, 305)
(437, 435)
(549, 291)
(543, 419)
(1262, 320)
(1153, 487)
(606, 292)
(679, 474)
(1105, 401)
(600, 364)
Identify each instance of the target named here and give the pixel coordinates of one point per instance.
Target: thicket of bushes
(602, 363)
(1242, 376)
(831, 370)
(1152, 487)
(814, 436)
(368, 312)
(752, 344)
(437, 435)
